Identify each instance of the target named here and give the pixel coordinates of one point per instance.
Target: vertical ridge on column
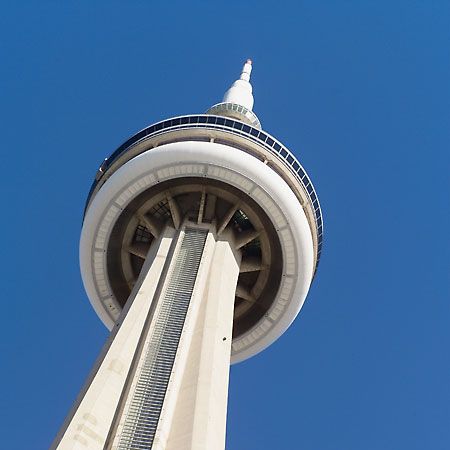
(143, 412)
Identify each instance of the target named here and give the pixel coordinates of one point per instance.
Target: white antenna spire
(240, 91)
(246, 70)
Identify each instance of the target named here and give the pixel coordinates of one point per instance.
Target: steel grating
(142, 414)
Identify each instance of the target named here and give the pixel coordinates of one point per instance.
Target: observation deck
(260, 301)
(207, 128)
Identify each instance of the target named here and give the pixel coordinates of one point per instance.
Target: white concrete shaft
(199, 419)
(193, 416)
(88, 424)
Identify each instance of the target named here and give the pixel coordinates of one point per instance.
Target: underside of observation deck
(208, 202)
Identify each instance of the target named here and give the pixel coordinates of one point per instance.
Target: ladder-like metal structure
(160, 347)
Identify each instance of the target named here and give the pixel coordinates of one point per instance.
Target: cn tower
(200, 239)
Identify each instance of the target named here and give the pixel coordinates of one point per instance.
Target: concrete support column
(162, 379)
(88, 424)
(199, 421)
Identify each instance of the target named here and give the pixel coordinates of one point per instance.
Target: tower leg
(199, 421)
(161, 382)
(88, 423)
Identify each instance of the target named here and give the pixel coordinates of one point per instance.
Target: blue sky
(358, 90)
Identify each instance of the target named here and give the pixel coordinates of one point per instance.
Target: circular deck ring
(217, 162)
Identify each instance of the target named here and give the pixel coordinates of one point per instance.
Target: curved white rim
(219, 162)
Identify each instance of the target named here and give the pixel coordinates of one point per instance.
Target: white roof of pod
(240, 91)
(238, 100)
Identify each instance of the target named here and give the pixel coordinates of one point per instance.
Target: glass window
(140, 135)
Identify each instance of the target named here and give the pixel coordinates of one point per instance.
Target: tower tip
(246, 70)
(240, 93)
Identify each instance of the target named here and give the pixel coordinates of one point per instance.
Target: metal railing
(231, 126)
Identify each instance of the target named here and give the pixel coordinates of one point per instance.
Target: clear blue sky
(358, 90)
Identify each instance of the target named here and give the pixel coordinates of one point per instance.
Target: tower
(200, 239)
